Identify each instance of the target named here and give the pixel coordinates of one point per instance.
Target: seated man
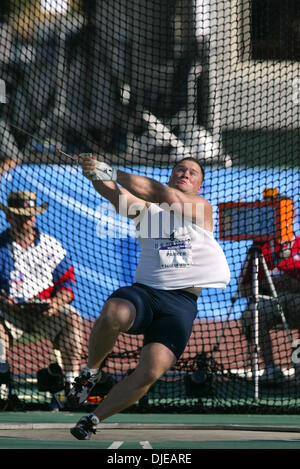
(36, 284)
(283, 262)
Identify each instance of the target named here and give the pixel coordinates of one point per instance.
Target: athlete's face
(186, 177)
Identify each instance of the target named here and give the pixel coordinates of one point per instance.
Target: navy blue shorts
(164, 316)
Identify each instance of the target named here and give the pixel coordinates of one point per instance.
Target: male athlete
(179, 257)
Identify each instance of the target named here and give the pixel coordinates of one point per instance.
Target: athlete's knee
(152, 375)
(118, 314)
(156, 359)
(146, 376)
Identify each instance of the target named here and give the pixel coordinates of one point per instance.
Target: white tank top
(180, 256)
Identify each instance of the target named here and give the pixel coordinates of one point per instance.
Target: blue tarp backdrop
(102, 244)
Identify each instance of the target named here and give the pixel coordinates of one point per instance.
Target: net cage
(146, 83)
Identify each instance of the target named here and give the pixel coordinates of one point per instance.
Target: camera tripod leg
(275, 296)
(255, 292)
(233, 301)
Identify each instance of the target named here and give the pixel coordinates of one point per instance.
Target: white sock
(92, 415)
(3, 391)
(93, 371)
(70, 376)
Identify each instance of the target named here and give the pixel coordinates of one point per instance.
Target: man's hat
(23, 203)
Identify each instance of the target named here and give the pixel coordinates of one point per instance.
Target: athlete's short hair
(191, 158)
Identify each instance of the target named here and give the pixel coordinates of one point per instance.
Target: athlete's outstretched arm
(119, 197)
(145, 190)
(193, 206)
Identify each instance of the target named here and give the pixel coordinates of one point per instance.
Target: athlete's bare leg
(155, 360)
(117, 316)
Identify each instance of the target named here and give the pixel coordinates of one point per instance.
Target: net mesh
(145, 83)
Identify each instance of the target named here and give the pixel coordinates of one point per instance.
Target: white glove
(101, 172)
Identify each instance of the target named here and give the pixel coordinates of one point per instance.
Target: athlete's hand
(96, 170)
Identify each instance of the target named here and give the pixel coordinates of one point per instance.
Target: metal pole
(274, 294)
(233, 301)
(255, 283)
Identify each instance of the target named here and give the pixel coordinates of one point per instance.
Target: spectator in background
(283, 261)
(10, 154)
(36, 284)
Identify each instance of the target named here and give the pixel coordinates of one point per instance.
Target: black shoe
(85, 427)
(82, 387)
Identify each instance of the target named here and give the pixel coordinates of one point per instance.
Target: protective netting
(146, 82)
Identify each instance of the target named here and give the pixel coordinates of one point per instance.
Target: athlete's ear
(170, 178)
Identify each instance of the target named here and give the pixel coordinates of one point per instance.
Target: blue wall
(83, 222)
